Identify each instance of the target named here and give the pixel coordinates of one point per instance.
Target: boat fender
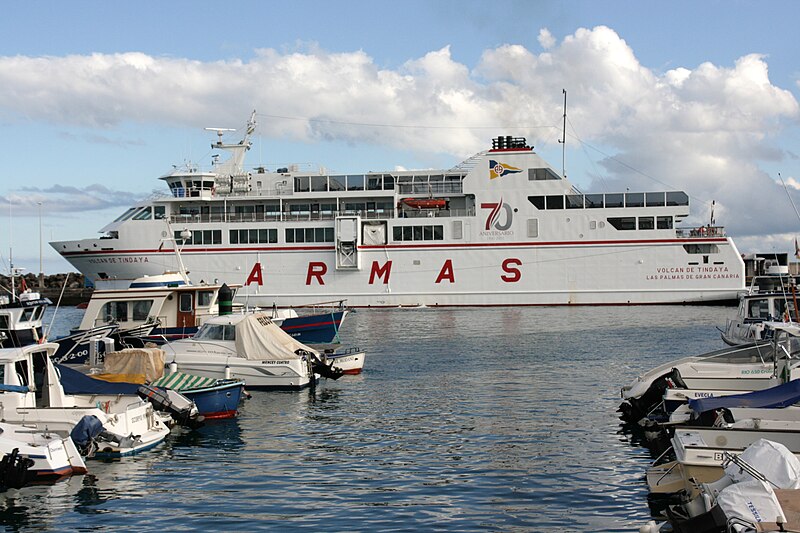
(172, 368)
(227, 373)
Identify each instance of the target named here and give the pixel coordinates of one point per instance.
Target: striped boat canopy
(180, 381)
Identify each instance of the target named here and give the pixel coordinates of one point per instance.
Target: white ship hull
(501, 229)
(579, 274)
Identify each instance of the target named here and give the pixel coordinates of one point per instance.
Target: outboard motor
(14, 470)
(320, 366)
(225, 297)
(85, 431)
(633, 409)
(182, 410)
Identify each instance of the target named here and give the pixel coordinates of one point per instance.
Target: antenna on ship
(220, 133)
(563, 139)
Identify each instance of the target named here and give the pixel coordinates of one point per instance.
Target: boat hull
(218, 401)
(464, 274)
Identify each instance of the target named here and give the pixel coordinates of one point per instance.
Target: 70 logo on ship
(493, 218)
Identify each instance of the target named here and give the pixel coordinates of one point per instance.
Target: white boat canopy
(257, 337)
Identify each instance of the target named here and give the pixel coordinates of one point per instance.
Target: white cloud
(708, 129)
(546, 39)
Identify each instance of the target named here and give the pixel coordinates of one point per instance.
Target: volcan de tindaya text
(501, 228)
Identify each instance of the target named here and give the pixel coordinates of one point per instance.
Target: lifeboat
(425, 203)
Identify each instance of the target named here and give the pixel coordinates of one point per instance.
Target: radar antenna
(220, 133)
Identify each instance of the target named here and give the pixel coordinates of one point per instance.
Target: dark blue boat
(214, 398)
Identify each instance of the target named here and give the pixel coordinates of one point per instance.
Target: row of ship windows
(630, 223)
(428, 232)
(593, 201)
(368, 182)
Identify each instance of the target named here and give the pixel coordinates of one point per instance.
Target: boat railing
(700, 232)
(366, 214)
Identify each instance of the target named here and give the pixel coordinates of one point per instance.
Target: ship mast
(563, 139)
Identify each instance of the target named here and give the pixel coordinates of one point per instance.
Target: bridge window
(615, 200)
(646, 223)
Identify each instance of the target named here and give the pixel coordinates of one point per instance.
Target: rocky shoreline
(51, 286)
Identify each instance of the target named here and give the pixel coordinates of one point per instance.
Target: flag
(23, 287)
(796, 249)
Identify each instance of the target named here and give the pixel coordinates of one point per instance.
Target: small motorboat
(251, 347)
(349, 360)
(758, 490)
(214, 398)
(731, 370)
(769, 298)
(52, 456)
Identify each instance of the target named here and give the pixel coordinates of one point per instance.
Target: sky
(98, 99)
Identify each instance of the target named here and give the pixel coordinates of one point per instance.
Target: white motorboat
(736, 369)
(33, 395)
(21, 318)
(247, 346)
(758, 491)
(769, 298)
(53, 456)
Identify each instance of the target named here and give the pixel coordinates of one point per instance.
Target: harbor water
(489, 419)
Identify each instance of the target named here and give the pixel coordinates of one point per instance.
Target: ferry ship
(501, 228)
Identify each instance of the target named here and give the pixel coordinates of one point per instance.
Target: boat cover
(147, 361)
(182, 382)
(257, 337)
(771, 459)
(774, 397)
(76, 382)
(753, 501)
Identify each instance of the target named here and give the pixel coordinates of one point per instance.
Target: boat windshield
(216, 332)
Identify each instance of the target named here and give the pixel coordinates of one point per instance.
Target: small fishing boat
(214, 398)
(251, 347)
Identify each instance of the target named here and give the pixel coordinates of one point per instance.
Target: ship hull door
(347, 242)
